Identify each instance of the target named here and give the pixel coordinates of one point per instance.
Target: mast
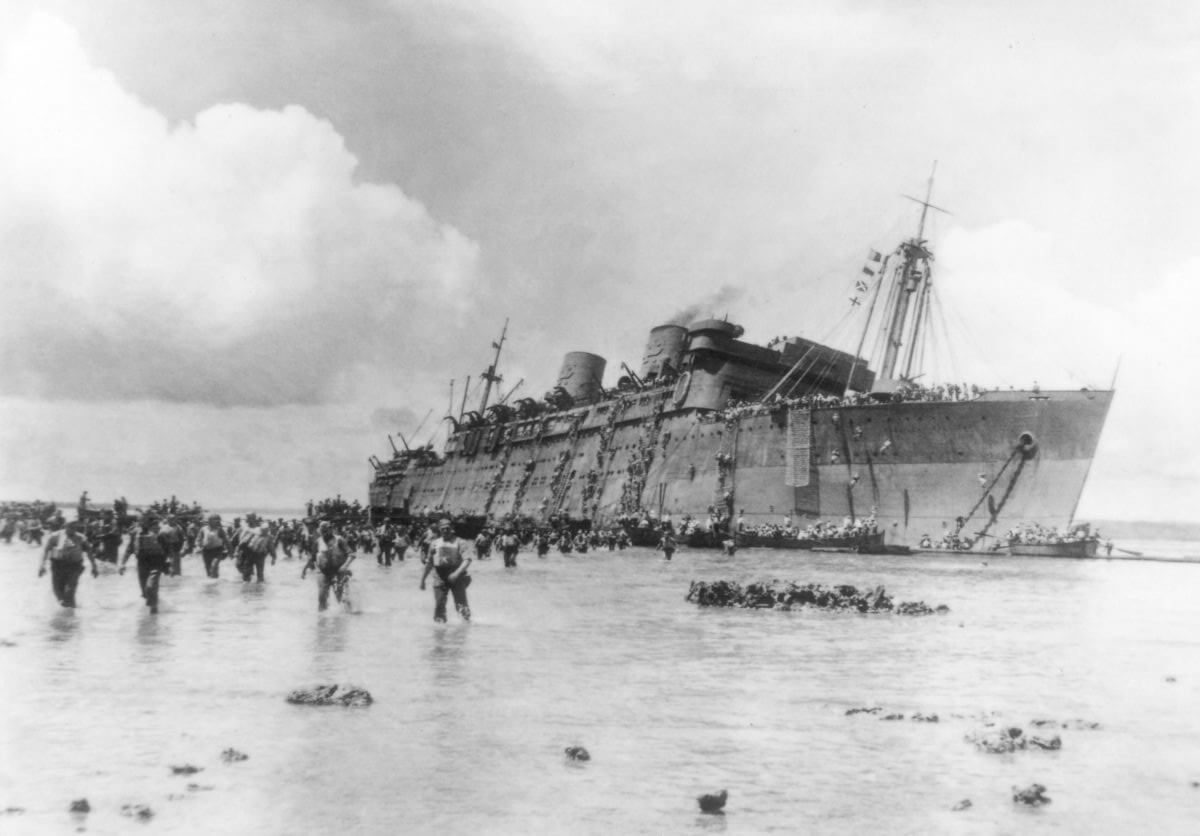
(462, 410)
(490, 375)
(866, 324)
(919, 320)
(911, 279)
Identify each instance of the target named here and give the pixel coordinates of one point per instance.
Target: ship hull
(921, 468)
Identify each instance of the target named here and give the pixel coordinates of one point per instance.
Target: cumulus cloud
(231, 259)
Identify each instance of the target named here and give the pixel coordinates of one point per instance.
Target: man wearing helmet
(146, 543)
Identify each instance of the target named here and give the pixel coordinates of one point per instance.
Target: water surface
(470, 721)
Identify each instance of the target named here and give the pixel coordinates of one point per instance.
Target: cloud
(265, 457)
(615, 161)
(232, 259)
(1010, 284)
(386, 418)
(627, 44)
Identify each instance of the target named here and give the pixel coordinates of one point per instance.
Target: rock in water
(355, 697)
(80, 805)
(577, 753)
(330, 695)
(710, 803)
(1033, 795)
(965, 804)
(791, 595)
(1001, 742)
(137, 811)
(317, 695)
(233, 756)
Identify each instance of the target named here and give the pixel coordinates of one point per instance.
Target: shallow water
(470, 721)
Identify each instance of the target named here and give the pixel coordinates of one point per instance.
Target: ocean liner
(718, 428)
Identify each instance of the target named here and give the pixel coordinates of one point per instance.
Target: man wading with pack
(146, 543)
(252, 547)
(65, 550)
(172, 539)
(212, 543)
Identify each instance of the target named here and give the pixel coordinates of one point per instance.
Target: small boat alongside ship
(1067, 548)
(850, 541)
(701, 538)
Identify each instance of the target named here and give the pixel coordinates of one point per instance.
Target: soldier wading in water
(146, 543)
(212, 543)
(331, 558)
(448, 559)
(65, 550)
(253, 547)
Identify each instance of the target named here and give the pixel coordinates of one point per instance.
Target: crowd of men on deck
(848, 528)
(906, 393)
(1036, 534)
(337, 509)
(1030, 534)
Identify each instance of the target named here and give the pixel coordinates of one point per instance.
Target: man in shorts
(449, 559)
(332, 556)
(509, 546)
(213, 543)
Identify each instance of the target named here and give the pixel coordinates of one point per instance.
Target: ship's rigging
(905, 281)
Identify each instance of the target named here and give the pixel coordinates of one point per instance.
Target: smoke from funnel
(716, 305)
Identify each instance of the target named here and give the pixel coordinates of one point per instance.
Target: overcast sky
(243, 240)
